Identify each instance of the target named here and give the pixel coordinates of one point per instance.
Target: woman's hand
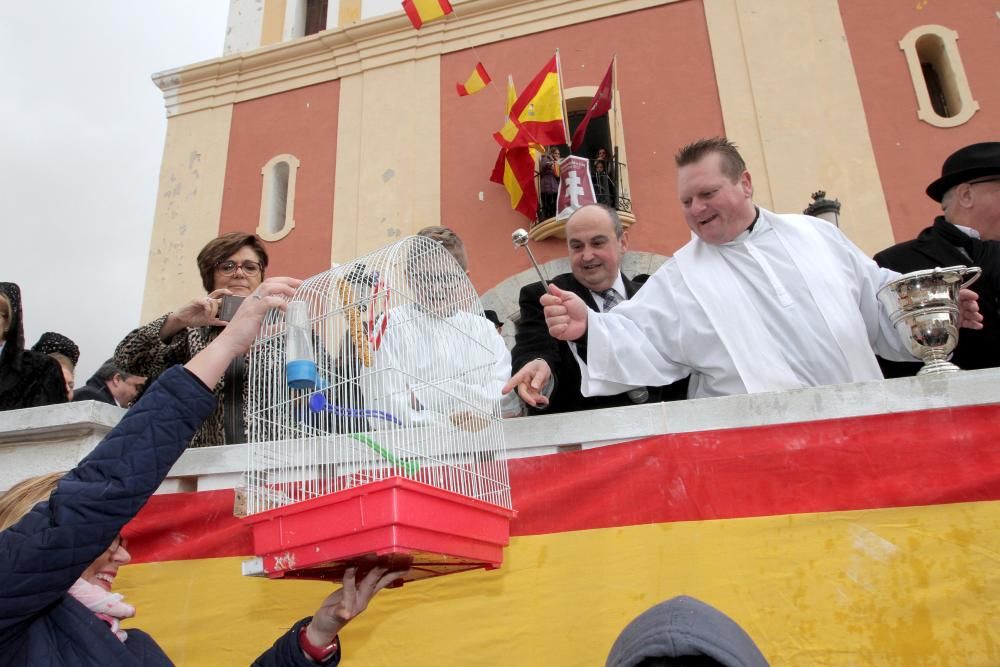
(202, 312)
(345, 603)
(239, 334)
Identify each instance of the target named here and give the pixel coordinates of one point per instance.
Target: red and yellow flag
(515, 170)
(539, 108)
(515, 165)
(478, 80)
(425, 11)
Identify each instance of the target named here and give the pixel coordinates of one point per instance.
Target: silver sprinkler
(520, 239)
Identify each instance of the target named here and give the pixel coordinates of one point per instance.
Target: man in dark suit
(546, 375)
(967, 233)
(110, 384)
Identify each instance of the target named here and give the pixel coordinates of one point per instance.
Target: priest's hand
(968, 309)
(531, 382)
(565, 314)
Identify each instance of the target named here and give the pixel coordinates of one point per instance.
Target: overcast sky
(81, 131)
(81, 139)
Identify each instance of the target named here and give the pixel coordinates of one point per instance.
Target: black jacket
(943, 244)
(96, 389)
(27, 379)
(533, 341)
(45, 552)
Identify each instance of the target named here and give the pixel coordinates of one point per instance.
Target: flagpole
(562, 100)
(614, 104)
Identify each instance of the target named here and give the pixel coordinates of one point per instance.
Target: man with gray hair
(111, 385)
(967, 232)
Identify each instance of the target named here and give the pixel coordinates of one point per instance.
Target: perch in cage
(388, 447)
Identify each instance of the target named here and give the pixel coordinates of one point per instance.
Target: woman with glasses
(27, 379)
(61, 543)
(231, 267)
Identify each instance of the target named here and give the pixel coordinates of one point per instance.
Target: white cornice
(374, 43)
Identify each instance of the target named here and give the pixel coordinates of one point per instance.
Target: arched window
(277, 198)
(605, 132)
(943, 95)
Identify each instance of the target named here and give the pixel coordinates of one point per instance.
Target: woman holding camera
(232, 267)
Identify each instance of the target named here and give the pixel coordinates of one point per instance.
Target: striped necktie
(612, 299)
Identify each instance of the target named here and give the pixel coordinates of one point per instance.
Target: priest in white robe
(754, 302)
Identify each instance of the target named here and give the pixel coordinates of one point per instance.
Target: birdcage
(390, 448)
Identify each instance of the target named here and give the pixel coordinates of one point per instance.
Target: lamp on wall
(824, 208)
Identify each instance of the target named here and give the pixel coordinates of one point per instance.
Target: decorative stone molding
(277, 197)
(935, 44)
(370, 44)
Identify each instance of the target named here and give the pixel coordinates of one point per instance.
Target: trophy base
(938, 366)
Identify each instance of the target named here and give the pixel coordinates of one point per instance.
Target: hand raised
(202, 311)
(240, 333)
(565, 314)
(345, 603)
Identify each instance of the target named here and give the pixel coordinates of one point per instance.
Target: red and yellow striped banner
(478, 80)
(844, 542)
(424, 11)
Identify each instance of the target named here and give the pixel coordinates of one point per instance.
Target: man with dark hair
(754, 302)
(545, 373)
(111, 385)
(967, 232)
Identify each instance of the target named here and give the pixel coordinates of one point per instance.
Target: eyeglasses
(228, 267)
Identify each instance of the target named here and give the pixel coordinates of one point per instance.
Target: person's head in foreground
(684, 631)
(715, 190)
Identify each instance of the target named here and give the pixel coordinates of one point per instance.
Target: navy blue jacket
(44, 553)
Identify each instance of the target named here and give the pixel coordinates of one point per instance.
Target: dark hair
(733, 165)
(13, 343)
(451, 242)
(109, 369)
(219, 250)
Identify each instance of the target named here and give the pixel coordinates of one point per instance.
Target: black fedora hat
(966, 164)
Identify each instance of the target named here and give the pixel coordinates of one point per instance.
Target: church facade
(331, 129)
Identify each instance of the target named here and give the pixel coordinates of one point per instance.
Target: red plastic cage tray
(397, 522)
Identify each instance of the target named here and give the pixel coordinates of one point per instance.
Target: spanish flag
(854, 541)
(539, 108)
(425, 11)
(515, 165)
(478, 80)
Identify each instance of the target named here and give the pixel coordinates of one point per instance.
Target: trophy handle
(970, 275)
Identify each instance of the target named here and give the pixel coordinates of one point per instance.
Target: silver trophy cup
(923, 306)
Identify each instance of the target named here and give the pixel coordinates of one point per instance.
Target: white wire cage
(408, 384)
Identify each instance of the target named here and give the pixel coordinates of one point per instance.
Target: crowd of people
(756, 301)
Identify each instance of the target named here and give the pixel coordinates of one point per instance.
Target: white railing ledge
(40, 440)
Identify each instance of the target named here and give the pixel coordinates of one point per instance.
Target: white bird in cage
(404, 395)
